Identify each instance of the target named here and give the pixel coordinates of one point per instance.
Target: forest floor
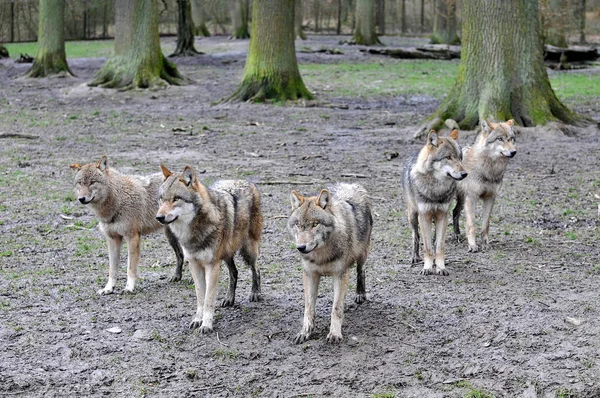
(521, 319)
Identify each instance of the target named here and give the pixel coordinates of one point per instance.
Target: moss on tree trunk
(185, 31)
(51, 58)
(271, 70)
(138, 61)
(364, 32)
(502, 74)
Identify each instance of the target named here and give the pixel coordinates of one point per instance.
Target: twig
(17, 135)
(287, 182)
(409, 325)
(207, 388)
(352, 175)
(277, 217)
(65, 217)
(219, 340)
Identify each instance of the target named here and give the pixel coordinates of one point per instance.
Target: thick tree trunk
(271, 70)
(199, 18)
(239, 19)
(51, 58)
(365, 23)
(299, 18)
(138, 61)
(185, 31)
(502, 74)
(444, 23)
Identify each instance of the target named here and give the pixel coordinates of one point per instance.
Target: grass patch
(74, 49)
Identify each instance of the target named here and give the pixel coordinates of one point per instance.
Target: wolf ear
(188, 177)
(454, 135)
(510, 122)
(324, 198)
(296, 199)
(103, 163)
(432, 138)
(75, 166)
(165, 171)
(486, 127)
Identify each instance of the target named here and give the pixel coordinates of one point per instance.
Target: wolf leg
(460, 204)
(212, 283)
(340, 288)
(233, 276)
(361, 293)
(133, 259)
(470, 203)
(413, 220)
(198, 275)
(441, 226)
(486, 214)
(311, 288)
(114, 254)
(249, 253)
(178, 255)
(425, 222)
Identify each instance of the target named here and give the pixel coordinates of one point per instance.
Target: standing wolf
(332, 232)
(212, 225)
(486, 163)
(429, 184)
(125, 206)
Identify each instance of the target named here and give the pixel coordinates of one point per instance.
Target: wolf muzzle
(509, 154)
(459, 177)
(163, 219)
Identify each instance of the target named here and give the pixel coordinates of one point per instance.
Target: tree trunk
(338, 28)
(199, 18)
(365, 23)
(402, 6)
(581, 21)
(271, 70)
(444, 23)
(422, 25)
(317, 15)
(556, 20)
(51, 58)
(381, 16)
(299, 17)
(502, 74)
(137, 61)
(239, 19)
(185, 31)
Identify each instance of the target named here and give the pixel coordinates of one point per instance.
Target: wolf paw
(473, 248)
(426, 271)
(206, 329)
(255, 297)
(334, 338)
(360, 298)
(301, 337)
(105, 291)
(195, 324)
(228, 302)
(128, 290)
(175, 278)
(442, 272)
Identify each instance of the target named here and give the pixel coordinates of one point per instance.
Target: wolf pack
(331, 230)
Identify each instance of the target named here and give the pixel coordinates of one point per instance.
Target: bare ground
(500, 323)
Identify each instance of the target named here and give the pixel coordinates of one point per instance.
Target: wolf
(332, 231)
(212, 224)
(125, 206)
(486, 163)
(429, 183)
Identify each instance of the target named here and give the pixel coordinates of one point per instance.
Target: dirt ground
(521, 319)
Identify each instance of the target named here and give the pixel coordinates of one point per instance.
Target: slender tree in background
(185, 30)
(381, 16)
(271, 70)
(422, 25)
(502, 74)
(444, 23)
(317, 15)
(138, 61)
(199, 18)
(239, 19)
(581, 21)
(556, 20)
(51, 58)
(299, 18)
(338, 28)
(365, 23)
(402, 7)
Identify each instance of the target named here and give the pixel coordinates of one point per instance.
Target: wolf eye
(315, 224)
(501, 139)
(177, 198)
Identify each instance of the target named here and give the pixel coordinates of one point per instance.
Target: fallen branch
(352, 175)
(17, 135)
(287, 182)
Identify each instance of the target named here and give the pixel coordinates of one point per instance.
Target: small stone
(142, 334)
(114, 330)
(574, 321)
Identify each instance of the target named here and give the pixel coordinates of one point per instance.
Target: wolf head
(311, 222)
(92, 181)
(442, 156)
(497, 139)
(179, 196)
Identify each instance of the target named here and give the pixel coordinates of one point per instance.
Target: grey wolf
(332, 231)
(486, 163)
(125, 206)
(429, 183)
(212, 224)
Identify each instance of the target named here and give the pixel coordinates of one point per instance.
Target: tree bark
(402, 8)
(51, 58)
(299, 18)
(185, 31)
(444, 23)
(581, 21)
(271, 70)
(239, 19)
(502, 74)
(138, 61)
(199, 18)
(381, 16)
(422, 24)
(338, 27)
(365, 23)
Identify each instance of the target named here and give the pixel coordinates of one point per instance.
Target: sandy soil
(518, 320)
